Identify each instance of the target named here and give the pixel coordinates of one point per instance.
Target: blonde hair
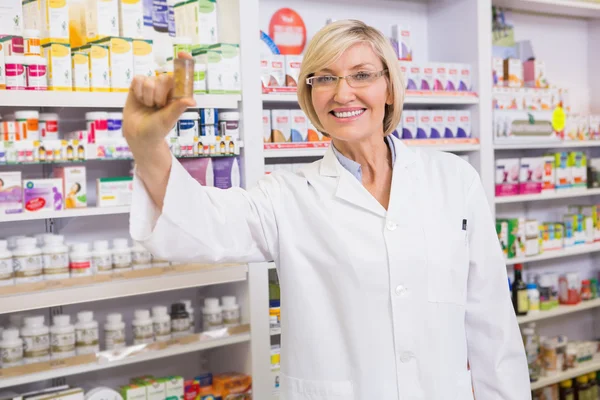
(329, 44)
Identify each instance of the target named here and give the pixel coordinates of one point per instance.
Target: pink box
(531, 175)
(507, 177)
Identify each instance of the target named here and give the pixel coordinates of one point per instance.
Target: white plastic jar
(229, 124)
(231, 311)
(143, 330)
(187, 126)
(114, 331)
(36, 69)
(97, 126)
(12, 241)
(62, 338)
(86, 333)
(191, 312)
(32, 42)
(7, 273)
(55, 258)
(80, 262)
(121, 255)
(48, 126)
(115, 125)
(102, 258)
(14, 69)
(11, 348)
(161, 321)
(141, 258)
(28, 122)
(199, 78)
(27, 261)
(212, 316)
(36, 340)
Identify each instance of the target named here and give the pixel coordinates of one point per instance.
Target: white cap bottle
(36, 340)
(11, 348)
(212, 317)
(231, 311)
(7, 273)
(121, 255)
(27, 259)
(102, 258)
(55, 258)
(80, 260)
(143, 332)
(114, 331)
(86, 332)
(62, 337)
(162, 323)
(141, 258)
(190, 310)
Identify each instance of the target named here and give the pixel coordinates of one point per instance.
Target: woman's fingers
(148, 92)
(162, 89)
(136, 86)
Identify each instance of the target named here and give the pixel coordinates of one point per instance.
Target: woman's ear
(390, 95)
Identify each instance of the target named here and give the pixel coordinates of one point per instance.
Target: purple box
(226, 172)
(200, 169)
(11, 193)
(43, 195)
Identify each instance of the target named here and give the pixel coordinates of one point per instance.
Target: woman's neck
(373, 155)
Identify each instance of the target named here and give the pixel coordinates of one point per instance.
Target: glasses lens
(361, 79)
(324, 81)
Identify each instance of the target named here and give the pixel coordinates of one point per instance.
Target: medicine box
(102, 19)
(423, 124)
(292, 70)
(226, 172)
(200, 169)
(174, 387)
(209, 116)
(68, 394)
(313, 134)
(413, 76)
(133, 392)
(534, 74)
(589, 215)
(548, 178)
(51, 18)
(515, 239)
(427, 76)
(502, 232)
(43, 195)
(440, 76)
(450, 124)
(74, 185)
(120, 60)
(463, 129)
(80, 64)
(465, 83)
(409, 124)
(532, 240)
(507, 177)
(298, 126)
(452, 78)
(265, 71)
(513, 72)
(131, 19)
(206, 22)
(578, 163)
(562, 170)
(438, 125)
(11, 17)
(531, 175)
(266, 124)
(276, 71)
(99, 67)
(155, 390)
(224, 66)
(143, 59)
(401, 40)
(282, 130)
(594, 124)
(58, 57)
(11, 193)
(114, 192)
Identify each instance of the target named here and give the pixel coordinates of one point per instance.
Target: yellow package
(58, 56)
(143, 60)
(77, 31)
(102, 19)
(81, 71)
(99, 68)
(120, 60)
(50, 17)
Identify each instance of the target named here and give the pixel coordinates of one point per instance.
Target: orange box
(231, 383)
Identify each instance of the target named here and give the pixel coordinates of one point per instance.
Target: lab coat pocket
(448, 267)
(302, 389)
(464, 387)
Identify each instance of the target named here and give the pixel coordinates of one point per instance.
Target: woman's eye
(362, 76)
(325, 79)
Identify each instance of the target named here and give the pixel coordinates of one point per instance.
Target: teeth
(348, 114)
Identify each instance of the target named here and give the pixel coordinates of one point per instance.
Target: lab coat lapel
(348, 187)
(405, 197)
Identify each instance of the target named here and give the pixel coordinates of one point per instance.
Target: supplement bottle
(102, 258)
(187, 125)
(12, 242)
(142, 328)
(519, 292)
(533, 295)
(180, 320)
(7, 274)
(160, 16)
(11, 348)
(162, 323)
(55, 258)
(531, 340)
(114, 332)
(190, 310)
(36, 340)
(567, 392)
(62, 338)
(231, 311)
(582, 388)
(141, 258)
(593, 386)
(27, 261)
(80, 260)
(121, 255)
(183, 76)
(212, 316)
(86, 333)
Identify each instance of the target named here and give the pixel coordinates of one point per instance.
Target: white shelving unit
(568, 8)
(555, 254)
(70, 213)
(559, 194)
(585, 368)
(574, 144)
(559, 311)
(432, 99)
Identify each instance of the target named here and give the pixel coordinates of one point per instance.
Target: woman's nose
(343, 92)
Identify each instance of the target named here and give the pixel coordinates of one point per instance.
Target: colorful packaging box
(102, 19)
(588, 215)
(143, 58)
(51, 18)
(532, 240)
(562, 170)
(534, 73)
(423, 124)
(80, 64)
(453, 79)
(465, 83)
(531, 175)
(200, 169)
(223, 68)
(227, 172)
(41, 195)
(74, 185)
(427, 76)
(99, 67)
(292, 70)
(174, 387)
(276, 71)
(313, 134)
(299, 127)
(131, 19)
(11, 193)
(507, 177)
(58, 56)
(578, 164)
(451, 124)
(231, 383)
(114, 192)
(11, 17)
(463, 129)
(133, 392)
(401, 42)
(511, 233)
(120, 59)
(513, 72)
(438, 125)
(282, 129)
(440, 77)
(549, 178)
(594, 124)
(266, 123)
(502, 232)
(413, 76)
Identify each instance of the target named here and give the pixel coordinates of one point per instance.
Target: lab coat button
(405, 357)
(391, 225)
(400, 290)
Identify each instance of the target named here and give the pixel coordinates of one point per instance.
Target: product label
(82, 267)
(49, 129)
(11, 356)
(6, 269)
(55, 263)
(187, 128)
(212, 321)
(102, 263)
(36, 346)
(132, 19)
(27, 266)
(141, 332)
(122, 260)
(160, 15)
(59, 65)
(115, 339)
(63, 344)
(36, 77)
(231, 317)
(522, 301)
(180, 325)
(141, 257)
(57, 20)
(15, 76)
(87, 340)
(162, 331)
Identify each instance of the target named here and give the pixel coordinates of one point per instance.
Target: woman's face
(366, 103)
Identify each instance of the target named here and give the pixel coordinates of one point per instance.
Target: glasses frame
(378, 74)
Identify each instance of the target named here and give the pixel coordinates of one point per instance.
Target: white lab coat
(375, 304)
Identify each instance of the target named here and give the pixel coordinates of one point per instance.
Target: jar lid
(101, 245)
(48, 116)
(85, 316)
(26, 242)
(115, 115)
(27, 114)
(10, 334)
(142, 314)
(61, 320)
(94, 115)
(120, 243)
(159, 311)
(229, 116)
(114, 318)
(80, 247)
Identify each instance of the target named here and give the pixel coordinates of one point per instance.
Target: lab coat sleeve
(206, 224)
(495, 347)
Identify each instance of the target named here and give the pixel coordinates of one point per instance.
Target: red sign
(288, 31)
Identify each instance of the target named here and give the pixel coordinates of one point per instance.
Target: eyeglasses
(358, 80)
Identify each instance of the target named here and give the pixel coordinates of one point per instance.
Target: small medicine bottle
(80, 262)
(180, 320)
(183, 76)
(162, 323)
(231, 311)
(141, 258)
(36, 340)
(7, 273)
(212, 316)
(143, 332)
(11, 348)
(86, 333)
(62, 337)
(191, 312)
(121, 255)
(114, 331)
(102, 258)
(55, 258)
(27, 261)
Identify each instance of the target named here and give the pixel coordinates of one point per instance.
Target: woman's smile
(347, 114)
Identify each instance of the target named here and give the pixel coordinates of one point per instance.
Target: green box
(578, 164)
(133, 392)
(514, 239)
(174, 387)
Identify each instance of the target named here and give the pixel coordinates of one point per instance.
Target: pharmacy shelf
(61, 368)
(24, 98)
(554, 254)
(584, 368)
(547, 145)
(432, 98)
(558, 311)
(275, 331)
(566, 8)
(559, 194)
(70, 213)
(102, 287)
